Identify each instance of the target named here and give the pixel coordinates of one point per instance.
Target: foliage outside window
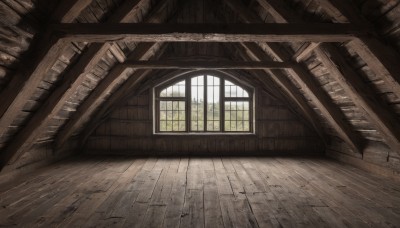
(203, 103)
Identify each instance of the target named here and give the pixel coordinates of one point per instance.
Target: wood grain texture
(200, 192)
(308, 84)
(204, 65)
(377, 113)
(380, 57)
(209, 32)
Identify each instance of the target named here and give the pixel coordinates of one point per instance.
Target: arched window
(203, 104)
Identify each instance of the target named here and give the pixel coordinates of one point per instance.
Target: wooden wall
(128, 130)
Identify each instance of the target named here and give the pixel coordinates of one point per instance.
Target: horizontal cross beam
(143, 32)
(201, 64)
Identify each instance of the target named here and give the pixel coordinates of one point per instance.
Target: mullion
(188, 106)
(205, 103)
(222, 105)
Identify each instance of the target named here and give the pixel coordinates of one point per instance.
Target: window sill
(205, 134)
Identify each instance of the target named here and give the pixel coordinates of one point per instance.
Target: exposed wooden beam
(308, 84)
(305, 51)
(117, 52)
(143, 51)
(376, 113)
(24, 139)
(257, 54)
(27, 78)
(284, 88)
(128, 87)
(209, 32)
(280, 12)
(98, 95)
(73, 79)
(380, 58)
(92, 102)
(199, 64)
(363, 97)
(68, 10)
(76, 74)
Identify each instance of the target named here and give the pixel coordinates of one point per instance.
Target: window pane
(163, 125)
(173, 117)
(182, 125)
(163, 115)
(176, 90)
(227, 125)
(232, 90)
(163, 105)
(197, 103)
(213, 103)
(169, 126)
(237, 117)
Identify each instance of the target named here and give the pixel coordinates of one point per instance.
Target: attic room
(200, 113)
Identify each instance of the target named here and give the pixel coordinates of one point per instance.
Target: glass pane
(182, 116)
(182, 125)
(163, 115)
(213, 103)
(239, 126)
(232, 90)
(197, 103)
(176, 90)
(175, 115)
(246, 115)
(172, 116)
(237, 118)
(169, 115)
(175, 126)
(163, 125)
(169, 126)
(163, 105)
(246, 126)
(227, 125)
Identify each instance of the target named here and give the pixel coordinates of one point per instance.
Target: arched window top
(175, 90)
(233, 90)
(203, 103)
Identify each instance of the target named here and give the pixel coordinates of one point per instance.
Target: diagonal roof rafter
(73, 78)
(282, 86)
(377, 113)
(333, 114)
(25, 81)
(379, 57)
(142, 52)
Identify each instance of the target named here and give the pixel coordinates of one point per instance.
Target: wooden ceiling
(65, 67)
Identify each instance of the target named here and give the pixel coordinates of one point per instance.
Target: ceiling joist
(206, 65)
(144, 32)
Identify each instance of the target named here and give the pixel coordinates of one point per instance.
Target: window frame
(187, 98)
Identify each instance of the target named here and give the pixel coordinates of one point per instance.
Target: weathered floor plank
(200, 192)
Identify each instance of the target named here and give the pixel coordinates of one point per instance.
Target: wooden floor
(200, 192)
